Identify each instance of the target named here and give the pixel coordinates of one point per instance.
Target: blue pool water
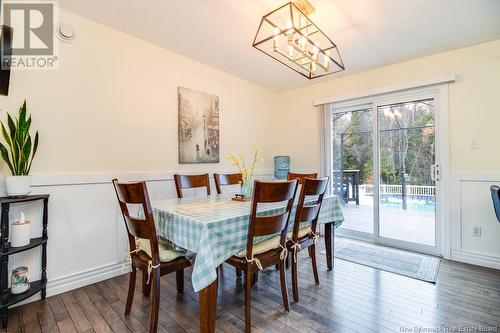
(420, 204)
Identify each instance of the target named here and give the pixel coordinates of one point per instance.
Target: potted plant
(18, 152)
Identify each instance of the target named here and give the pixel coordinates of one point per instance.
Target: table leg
(208, 307)
(329, 229)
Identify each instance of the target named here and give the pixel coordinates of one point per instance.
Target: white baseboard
(478, 259)
(80, 279)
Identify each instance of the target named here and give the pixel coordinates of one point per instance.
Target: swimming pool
(420, 204)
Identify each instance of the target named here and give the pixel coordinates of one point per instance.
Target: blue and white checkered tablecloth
(216, 227)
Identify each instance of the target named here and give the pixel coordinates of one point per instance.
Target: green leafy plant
(22, 150)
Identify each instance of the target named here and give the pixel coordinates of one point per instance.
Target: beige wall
(473, 105)
(112, 105)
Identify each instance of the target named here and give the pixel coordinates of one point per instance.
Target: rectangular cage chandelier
(287, 35)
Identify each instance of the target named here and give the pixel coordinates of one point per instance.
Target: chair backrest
(311, 188)
(301, 176)
(191, 181)
(137, 194)
(226, 179)
(495, 192)
(266, 193)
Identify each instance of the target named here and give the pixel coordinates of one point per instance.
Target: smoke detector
(65, 33)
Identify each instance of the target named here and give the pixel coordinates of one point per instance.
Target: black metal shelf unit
(6, 298)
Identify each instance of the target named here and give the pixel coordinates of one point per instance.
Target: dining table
(213, 228)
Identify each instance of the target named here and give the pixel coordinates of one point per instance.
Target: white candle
(20, 233)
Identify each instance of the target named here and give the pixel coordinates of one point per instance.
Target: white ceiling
(369, 33)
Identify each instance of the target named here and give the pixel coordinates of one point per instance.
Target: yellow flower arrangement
(239, 161)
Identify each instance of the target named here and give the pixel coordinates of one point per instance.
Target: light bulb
(315, 53)
(303, 42)
(290, 51)
(276, 41)
(289, 35)
(327, 59)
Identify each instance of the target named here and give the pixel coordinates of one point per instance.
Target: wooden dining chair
(191, 181)
(226, 179)
(301, 176)
(154, 259)
(270, 251)
(301, 236)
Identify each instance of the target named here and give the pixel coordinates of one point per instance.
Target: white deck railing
(397, 189)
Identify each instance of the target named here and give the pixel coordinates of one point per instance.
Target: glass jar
(20, 280)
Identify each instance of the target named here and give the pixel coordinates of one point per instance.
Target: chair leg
(310, 252)
(179, 280)
(155, 301)
(313, 261)
(238, 273)
(248, 300)
(284, 290)
(287, 262)
(255, 278)
(146, 287)
(295, 282)
(131, 289)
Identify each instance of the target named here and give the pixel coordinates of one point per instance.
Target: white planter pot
(18, 186)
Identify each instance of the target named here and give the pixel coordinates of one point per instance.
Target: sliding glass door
(385, 170)
(407, 185)
(353, 168)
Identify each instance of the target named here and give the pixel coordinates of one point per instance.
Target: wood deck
(408, 225)
(351, 298)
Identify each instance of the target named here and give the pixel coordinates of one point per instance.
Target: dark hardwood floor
(351, 298)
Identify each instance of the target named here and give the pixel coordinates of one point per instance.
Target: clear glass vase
(247, 188)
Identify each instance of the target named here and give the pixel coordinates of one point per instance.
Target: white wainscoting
(471, 206)
(87, 237)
